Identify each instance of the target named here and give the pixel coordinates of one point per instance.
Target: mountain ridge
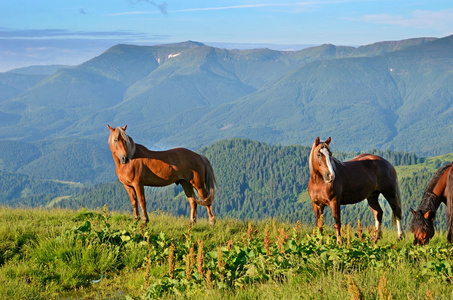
(190, 94)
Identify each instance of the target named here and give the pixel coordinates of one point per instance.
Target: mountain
(401, 100)
(189, 94)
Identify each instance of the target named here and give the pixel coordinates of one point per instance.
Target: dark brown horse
(439, 190)
(334, 183)
(136, 166)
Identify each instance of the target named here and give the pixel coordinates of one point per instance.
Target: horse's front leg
(140, 190)
(318, 209)
(335, 205)
(133, 196)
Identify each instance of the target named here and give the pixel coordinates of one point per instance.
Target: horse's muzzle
(329, 178)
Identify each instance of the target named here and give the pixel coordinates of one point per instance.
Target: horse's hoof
(401, 237)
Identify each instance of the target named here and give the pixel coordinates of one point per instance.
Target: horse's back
(374, 168)
(367, 156)
(372, 160)
(174, 156)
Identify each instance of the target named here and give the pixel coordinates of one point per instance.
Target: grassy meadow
(64, 254)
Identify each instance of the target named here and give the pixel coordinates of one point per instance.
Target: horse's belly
(355, 196)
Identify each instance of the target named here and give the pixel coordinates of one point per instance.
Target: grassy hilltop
(61, 254)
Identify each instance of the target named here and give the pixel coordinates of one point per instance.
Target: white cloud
(257, 5)
(418, 19)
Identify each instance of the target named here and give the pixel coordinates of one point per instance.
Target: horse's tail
(397, 216)
(210, 183)
(449, 192)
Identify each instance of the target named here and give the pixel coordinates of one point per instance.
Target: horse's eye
(319, 154)
(115, 140)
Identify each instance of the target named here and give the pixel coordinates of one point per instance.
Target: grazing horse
(334, 183)
(136, 166)
(439, 190)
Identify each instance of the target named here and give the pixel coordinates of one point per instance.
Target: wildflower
(353, 289)
(282, 238)
(249, 233)
(359, 230)
(190, 261)
(208, 279)
(171, 261)
(348, 235)
(188, 231)
(200, 258)
(220, 262)
(296, 230)
(229, 244)
(267, 240)
(383, 290)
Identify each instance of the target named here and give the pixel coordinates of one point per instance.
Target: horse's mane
(130, 145)
(310, 164)
(335, 163)
(449, 192)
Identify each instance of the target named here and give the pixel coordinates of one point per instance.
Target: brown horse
(334, 183)
(439, 190)
(136, 166)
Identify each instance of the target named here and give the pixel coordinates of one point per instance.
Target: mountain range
(395, 95)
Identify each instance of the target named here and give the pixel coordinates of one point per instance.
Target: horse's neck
(430, 202)
(142, 151)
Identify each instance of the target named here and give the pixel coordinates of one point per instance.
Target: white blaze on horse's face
(326, 153)
(117, 146)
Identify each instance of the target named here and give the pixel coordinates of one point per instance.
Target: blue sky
(73, 31)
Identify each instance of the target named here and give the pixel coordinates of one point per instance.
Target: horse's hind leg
(203, 194)
(199, 186)
(211, 215)
(396, 209)
(188, 190)
(373, 202)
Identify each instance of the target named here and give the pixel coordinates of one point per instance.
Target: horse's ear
(111, 129)
(413, 211)
(428, 215)
(328, 141)
(317, 141)
(124, 128)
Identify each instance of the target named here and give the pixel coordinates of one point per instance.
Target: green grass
(431, 164)
(59, 254)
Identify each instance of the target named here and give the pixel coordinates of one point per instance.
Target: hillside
(189, 94)
(82, 161)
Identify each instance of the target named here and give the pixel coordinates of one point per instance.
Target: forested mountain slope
(189, 94)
